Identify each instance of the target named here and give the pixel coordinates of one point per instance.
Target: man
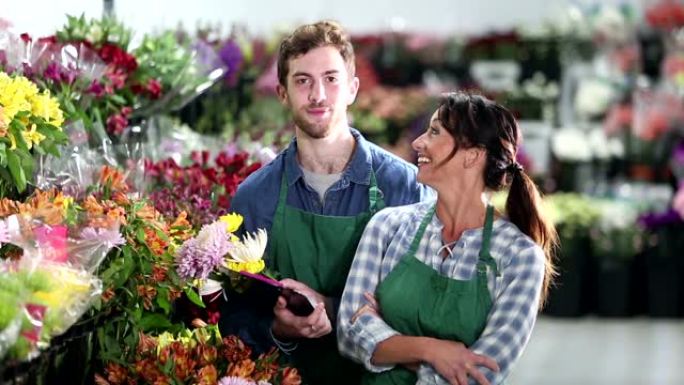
(315, 199)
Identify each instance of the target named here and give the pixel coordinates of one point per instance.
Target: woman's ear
(474, 156)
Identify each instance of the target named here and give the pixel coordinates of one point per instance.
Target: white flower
(571, 144)
(250, 249)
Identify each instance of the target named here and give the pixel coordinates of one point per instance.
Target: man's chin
(315, 132)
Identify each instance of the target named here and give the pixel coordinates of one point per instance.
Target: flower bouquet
(199, 356)
(30, 123)
(202, 189)
(52, 281)
(215, 255)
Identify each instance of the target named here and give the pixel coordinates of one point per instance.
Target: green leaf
(140, 235)
(16, 170)
(27, 162)
(194, 297)
(38, 149)
(152, 321)
(16, 129)
(163, 300)
(51, 148)
(3, 154)
(118, 99)
(22, 114)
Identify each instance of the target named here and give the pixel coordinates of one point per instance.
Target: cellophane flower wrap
(52, 282)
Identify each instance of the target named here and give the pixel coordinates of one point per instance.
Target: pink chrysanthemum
(230, 380)
(198, 256)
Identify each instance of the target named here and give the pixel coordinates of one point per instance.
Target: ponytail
(523, 210)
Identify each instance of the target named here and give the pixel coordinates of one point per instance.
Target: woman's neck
(460, 210)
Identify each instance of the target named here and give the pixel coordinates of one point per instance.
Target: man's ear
(353, 90)
(282, 94)
(473, 157)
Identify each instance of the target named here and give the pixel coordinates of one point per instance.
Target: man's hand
(289, 326)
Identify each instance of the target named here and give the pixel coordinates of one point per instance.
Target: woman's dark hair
(475, 121)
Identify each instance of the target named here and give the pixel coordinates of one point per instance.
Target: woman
(448, 291)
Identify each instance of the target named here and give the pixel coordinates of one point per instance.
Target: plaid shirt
(515, 293)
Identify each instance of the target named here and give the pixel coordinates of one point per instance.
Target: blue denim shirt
(257, 197)
(249, 315)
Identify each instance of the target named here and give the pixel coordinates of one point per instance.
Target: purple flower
(69, 74)
(107, 237)
(198, 256)
(232, 57)
(4, 233)
(52, 72)
(235, 381)
(678, 153)
(652, 221)
(96, 88)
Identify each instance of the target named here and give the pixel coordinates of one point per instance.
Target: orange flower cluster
(203, 358)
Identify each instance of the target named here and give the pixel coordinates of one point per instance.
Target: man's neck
(329, 155)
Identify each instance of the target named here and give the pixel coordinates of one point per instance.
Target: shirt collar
(358, 171)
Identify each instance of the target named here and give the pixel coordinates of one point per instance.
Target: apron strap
(375, 200)
(485, 256)
(282, 196)
(421, 230)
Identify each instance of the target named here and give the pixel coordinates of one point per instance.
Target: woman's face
(433, 147)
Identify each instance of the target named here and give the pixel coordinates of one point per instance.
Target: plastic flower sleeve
(65, 258)
(11, 311)
(74, 171)
(184, 72)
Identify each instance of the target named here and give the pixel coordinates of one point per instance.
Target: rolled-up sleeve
(359, 339)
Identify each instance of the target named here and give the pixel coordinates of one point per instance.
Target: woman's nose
(417, 144)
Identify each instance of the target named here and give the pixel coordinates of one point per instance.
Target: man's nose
(317, 93)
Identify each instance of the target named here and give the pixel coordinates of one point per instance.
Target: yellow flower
(63, 201)
(246, 255)
(47, 107)
(233, 221)
(4, 122)
(250, 267)
(163, 340)
(15, 95)
(31, 137)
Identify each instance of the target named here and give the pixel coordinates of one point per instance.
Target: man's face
(318, 91)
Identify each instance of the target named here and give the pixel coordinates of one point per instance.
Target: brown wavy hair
(475, 121)
(307, 37)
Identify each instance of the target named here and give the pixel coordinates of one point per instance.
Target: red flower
(154, 88)
(208, 375)
(235, 350)
(116, 374)
(206, 354)
(113, 54)
(48, 39)
(117, 123)
(291, 377)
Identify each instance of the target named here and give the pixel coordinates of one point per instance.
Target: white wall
(41, 17)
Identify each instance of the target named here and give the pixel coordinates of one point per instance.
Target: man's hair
(311, 36)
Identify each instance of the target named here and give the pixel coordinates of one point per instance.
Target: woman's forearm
(401, 350)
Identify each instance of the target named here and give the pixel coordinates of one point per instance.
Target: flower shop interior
(126, 127)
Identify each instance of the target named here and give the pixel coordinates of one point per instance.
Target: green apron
(318, 250)
(416, 300)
